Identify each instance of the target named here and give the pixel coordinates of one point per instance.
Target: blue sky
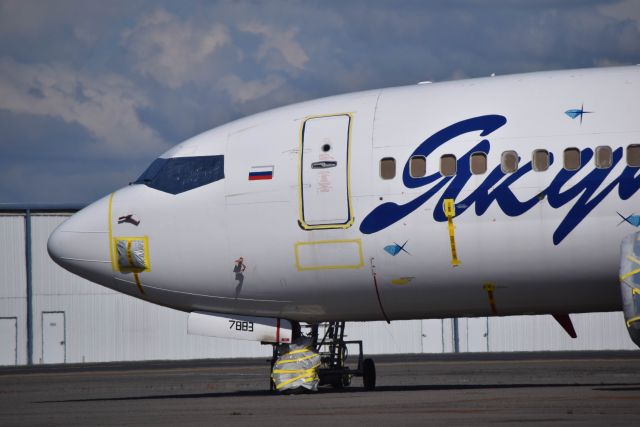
(92, 91)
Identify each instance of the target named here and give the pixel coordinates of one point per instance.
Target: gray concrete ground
(590, 388)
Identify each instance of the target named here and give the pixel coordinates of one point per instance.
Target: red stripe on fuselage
(259, 177)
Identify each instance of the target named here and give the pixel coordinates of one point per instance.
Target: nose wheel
(369, 374)
(334, 354)
(336, 368)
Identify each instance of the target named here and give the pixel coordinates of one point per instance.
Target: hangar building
(48, 315)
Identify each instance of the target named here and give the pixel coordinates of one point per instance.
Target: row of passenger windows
(509, 162)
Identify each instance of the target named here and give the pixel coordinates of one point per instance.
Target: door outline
(350, 216)
(64, 333)
(16, 335)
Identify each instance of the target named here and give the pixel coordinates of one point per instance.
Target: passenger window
(604, 157)
(540, 160)
(478, 163)
(572, 159)
(509, 161)
(388, 168)
(633, 155)
(418, 166)
(179, 174)
(448, 165)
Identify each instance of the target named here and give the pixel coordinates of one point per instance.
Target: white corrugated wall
(103, 325)
(13, 296)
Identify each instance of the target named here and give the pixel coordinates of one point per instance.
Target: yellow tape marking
(489, 287)
(298, 351)
(631, 273)
(135, 273)
(293, 371)
(299, 359)
(633, 319)
(129, 256)
(111, 248)
(635, 291)
(328, 267)
(306, 376)
(450, 212)
(137, 278)
(633, 259)
(349, 223)
(402, 281)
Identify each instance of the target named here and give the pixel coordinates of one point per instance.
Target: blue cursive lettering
(496, 188)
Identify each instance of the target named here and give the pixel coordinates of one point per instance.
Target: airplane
(478, 197)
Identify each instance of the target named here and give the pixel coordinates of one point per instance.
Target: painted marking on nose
(632, 219)
(128, 218)
(395, 249)
(575, 112)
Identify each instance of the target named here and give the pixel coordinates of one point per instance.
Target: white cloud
(621, 10)
(243, 91)
(105, 104)
(282, 43)
(172, 51)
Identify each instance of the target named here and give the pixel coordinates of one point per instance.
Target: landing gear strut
(327, 339)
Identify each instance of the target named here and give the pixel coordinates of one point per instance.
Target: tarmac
(580, 388)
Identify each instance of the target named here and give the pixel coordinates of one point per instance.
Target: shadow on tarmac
(328, 390)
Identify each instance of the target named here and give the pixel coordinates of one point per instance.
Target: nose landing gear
(336, 367)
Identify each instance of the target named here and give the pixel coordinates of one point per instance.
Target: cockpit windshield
(179, 174)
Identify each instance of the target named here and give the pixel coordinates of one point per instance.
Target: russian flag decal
(258, 173)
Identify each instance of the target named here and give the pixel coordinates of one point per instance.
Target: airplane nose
(81, 243)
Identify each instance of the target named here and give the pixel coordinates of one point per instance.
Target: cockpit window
(179, 174)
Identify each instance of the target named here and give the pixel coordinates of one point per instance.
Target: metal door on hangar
(53, 337)
(8, 341)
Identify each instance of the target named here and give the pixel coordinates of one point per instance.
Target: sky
(92, 91)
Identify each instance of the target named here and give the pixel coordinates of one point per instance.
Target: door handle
(324, 164)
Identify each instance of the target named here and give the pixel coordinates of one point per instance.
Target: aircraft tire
(342, 381)
(369, 374)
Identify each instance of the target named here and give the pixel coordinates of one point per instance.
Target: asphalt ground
(580, 388)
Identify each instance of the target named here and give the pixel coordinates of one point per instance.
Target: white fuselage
(313, 239)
